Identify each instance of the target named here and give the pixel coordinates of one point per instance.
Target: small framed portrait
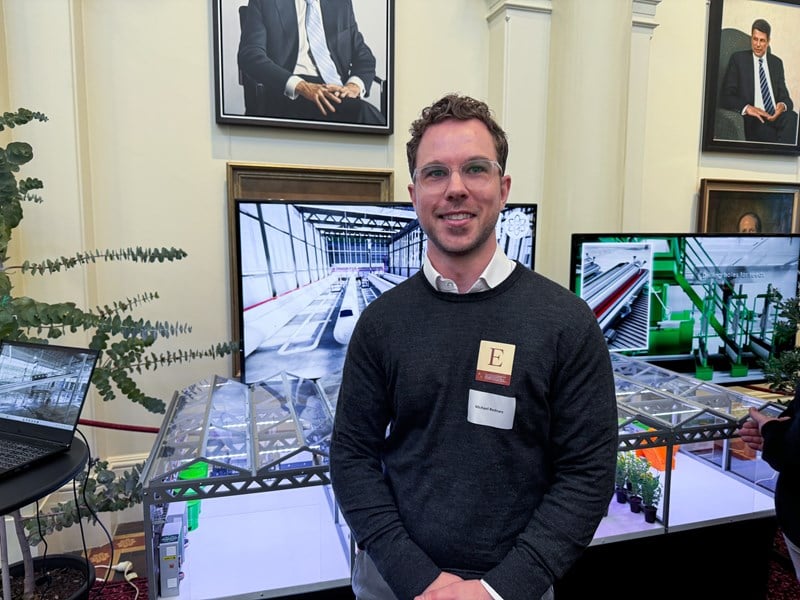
(748, 207)
(305, 64)
(752, 77)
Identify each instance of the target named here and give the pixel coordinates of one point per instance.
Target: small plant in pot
(650, 487)
(637, 467)
(621, 477)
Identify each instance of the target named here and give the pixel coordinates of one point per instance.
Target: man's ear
(412, 194)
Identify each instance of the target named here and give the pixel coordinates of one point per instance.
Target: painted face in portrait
(749, 223)
(759, 41)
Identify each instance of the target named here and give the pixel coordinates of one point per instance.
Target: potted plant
(124, 340)
(782, 367)
(621, 477)
(636, 468)
(650, 490)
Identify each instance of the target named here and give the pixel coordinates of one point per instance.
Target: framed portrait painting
(305, 64)
(752, 77)
(748, 207)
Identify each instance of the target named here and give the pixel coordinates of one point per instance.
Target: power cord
(125, 567)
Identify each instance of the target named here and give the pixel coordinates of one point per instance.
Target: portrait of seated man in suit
(755, 86)
(309, 60)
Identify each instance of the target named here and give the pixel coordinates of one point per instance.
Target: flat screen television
(693, 303)
(303, 271)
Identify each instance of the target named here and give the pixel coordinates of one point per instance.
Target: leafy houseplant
(650, 489)
(124, 341)
(651, 495)
(621, 477)
(782, 367)
(636, 468)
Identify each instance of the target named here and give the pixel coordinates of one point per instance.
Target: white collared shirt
(493, 275)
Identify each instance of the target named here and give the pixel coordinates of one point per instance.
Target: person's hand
(451, 587)
(750, 434)
(321, 94)
(758, 113)
(780, 108)
(349, 90)
(750, 431)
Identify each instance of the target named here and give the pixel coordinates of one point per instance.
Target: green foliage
(621, 472)
(650, 488)
(636, 468)
(782, 368)
(104, 491)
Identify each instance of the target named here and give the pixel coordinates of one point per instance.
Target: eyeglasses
(474, 173)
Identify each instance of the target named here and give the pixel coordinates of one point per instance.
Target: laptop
(42, 391)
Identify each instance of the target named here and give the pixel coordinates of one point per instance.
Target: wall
(132, 154)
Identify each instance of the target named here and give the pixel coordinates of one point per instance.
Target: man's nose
(455, 182)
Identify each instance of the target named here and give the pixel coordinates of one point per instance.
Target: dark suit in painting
(738, 90)
(268, 53)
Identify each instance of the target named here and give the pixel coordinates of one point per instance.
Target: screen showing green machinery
(699, 303)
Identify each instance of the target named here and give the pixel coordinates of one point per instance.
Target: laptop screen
(43, 388)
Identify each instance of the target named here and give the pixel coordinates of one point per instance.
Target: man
(300, 80)
(754, 85)
(749, 222)
(475, 436)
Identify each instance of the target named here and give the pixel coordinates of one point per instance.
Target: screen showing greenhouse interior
(306, 270)
(704, 304)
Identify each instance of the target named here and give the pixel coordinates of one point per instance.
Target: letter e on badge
(495, 361)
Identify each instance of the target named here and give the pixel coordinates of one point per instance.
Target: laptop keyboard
(13, 452)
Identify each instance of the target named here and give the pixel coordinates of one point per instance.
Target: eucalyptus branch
(21, 117)
(138, 254)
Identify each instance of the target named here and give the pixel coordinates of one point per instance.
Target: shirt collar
(493, 275)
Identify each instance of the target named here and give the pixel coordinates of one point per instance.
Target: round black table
(35, 482)
(38, 480)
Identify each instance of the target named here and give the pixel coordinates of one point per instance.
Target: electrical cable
(89, 464)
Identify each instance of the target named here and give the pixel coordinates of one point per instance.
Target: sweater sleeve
(782, 440)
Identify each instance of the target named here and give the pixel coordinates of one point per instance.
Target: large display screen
(699, 303)
(303, 271)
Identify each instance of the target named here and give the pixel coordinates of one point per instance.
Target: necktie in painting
(765, 95)
(319, 47)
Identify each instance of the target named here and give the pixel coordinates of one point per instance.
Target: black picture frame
(729, 26)
(723, 202)
(375, 20)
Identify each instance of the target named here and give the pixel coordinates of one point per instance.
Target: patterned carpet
(128, 545)
(783, 584)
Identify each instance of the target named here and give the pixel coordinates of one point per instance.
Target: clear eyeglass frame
(474, 173)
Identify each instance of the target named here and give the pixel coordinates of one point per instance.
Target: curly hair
(462, 108)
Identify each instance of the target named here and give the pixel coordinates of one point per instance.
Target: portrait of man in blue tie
(755, 86)
(307, 60)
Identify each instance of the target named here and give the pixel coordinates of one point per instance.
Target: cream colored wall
(132, 154)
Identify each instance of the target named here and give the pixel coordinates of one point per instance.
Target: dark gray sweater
(437, 492)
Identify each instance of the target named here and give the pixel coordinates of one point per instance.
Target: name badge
(492, 410)
(495, 362)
